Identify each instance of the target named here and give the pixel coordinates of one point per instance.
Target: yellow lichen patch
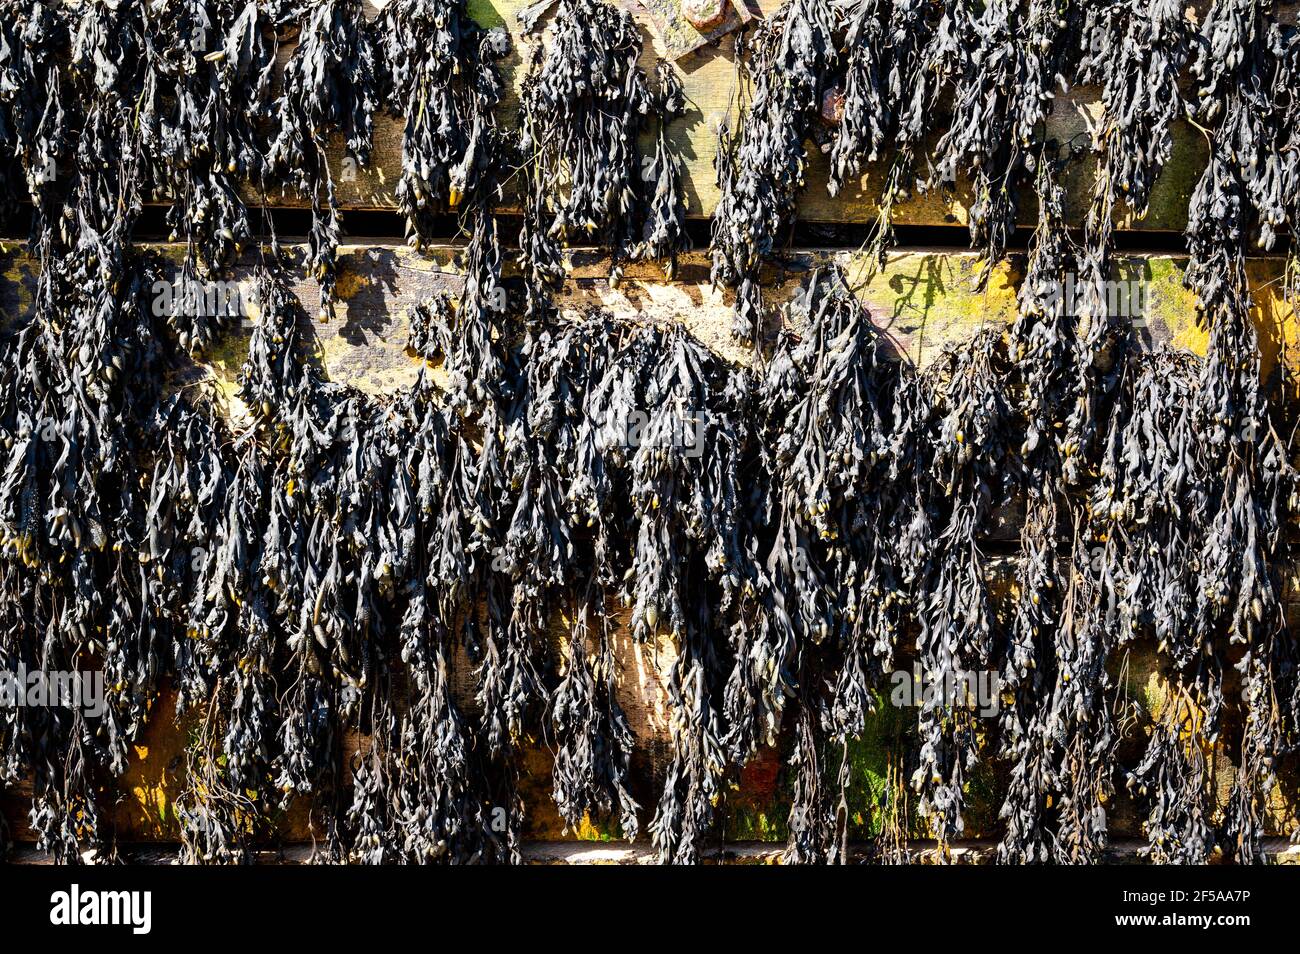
(351, 282)
(1274, 315)
(1169, 309)
(1154, 691)
(586, 831)
(20, 277)
(153, 804)
(1175, 310)
(379, 367)
(929, 301)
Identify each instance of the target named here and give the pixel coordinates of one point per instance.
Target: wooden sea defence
(924, 299)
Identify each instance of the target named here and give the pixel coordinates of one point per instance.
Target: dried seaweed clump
(761, 167)
(437, 73)
(584, 101)
(330, 87)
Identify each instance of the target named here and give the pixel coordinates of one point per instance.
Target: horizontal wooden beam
(709, 77)
(1277, 850)
(924, 299)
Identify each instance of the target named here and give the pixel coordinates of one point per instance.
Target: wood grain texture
(923, 300)
(709, 77)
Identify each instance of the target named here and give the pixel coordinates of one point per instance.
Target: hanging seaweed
(435, 73)
(327, 555)
(876, 59)
(444, 809)
(1136, 52)
(584, 102)
(963, 440)
(372, 609)
(33, 124)
(663, 237)
(671, 416)
(1151, 476)
(591, 774)
(549, 437)
(786, 66)
(1287, 155)
(208, 94)
(505, 497)
(829, 585)
(1237, 587)
(329, 88)
(73, 514)
(76, 402)
(1001, 63)
(233, 608)
(890, 86)
(190, 492)
(1042, 345)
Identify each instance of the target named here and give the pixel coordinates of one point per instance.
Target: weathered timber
(923, 299)
(1278, 850)
(709, 76)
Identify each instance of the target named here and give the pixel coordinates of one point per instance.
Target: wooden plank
(710, 81)
(924, 299)
(1128, 850)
